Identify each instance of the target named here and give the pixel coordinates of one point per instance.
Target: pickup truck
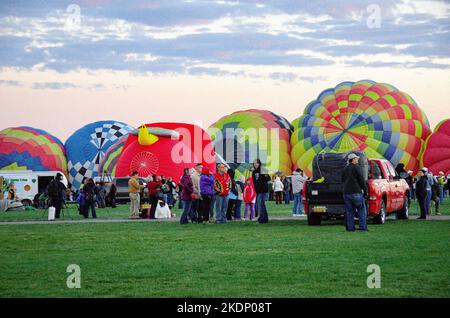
(387, 194)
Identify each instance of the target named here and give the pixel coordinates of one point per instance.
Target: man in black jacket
(261, 181)
(355, 193)
(55, 190)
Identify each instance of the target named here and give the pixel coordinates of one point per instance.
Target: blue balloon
(87, 147)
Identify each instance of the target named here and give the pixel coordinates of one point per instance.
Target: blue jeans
(261, 207)
(428, 202)
(441, 194)
(195, 210)
(355, 202)
(298, 206)
(221, 208)
(169, 199)
(186, 209)
(287, 197)
(237, 209)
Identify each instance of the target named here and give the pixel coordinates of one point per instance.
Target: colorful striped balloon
(27, 148)
(111, 158)
(436, 156)
(365, 115)
(243, 136)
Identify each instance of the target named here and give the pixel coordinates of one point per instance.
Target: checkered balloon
(87, 147)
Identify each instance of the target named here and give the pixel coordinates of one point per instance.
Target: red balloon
(168, 157)
(436, 156)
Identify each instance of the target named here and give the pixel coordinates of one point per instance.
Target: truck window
(122, 183)
(376, 171)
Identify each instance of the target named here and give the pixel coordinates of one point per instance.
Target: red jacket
(249, 191)
(153, 186)
(222, 184)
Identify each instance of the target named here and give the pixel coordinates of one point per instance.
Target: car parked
(122, 189)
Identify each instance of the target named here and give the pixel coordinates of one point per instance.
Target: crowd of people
(221, 197)
(426, 188)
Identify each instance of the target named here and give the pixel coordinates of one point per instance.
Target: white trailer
(28, 183)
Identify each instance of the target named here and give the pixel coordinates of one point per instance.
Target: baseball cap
(352, 156)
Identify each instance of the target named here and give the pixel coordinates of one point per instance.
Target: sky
(64, 64)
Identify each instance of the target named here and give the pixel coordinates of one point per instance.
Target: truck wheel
(381, 217)
(314, 219)
(403, 214)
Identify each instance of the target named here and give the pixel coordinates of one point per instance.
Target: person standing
(287, 189)
(421, 193)
(355, 192)
(261, 182)
(154, 186)
(55, 190)
(278, 188)
(222, 185)
(249, 199)
(186, 195)
(232, 197)
(206, 191)
(113, 195)
(298, 180)
(134, 189)
(240, 184)
(170, 198)
(196, 204)
(441, 185)
(430, 179)
(90, 192)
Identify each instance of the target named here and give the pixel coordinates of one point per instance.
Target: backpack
(53, 189)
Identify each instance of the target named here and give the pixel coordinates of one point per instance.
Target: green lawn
(285, 258)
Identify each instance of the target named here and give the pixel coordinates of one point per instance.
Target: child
(249, 198)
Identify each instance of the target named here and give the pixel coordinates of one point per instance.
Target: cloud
(54, 85)
(10, 83)
(180, 36)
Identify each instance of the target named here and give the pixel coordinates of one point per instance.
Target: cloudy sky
(66, 63)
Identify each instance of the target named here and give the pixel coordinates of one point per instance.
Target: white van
(28, 183)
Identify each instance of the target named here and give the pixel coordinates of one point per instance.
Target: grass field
(285, 258)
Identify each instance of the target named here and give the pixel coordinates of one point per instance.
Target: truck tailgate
(324, 193)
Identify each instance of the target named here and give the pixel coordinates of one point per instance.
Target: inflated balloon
(369, 116)
(243, 136)
(178, 146)
(27, 148)
(87, 147)
(436, 156)
(109, 162)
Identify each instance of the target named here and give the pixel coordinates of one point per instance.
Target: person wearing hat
(355, 192)
(421, 193)
(55, 191)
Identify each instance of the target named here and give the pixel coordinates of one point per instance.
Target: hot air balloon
(87, 147)
(365, 115)
(173, 147)
(243, 136)
(109, 162)
(436, 156)
(27, 148)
